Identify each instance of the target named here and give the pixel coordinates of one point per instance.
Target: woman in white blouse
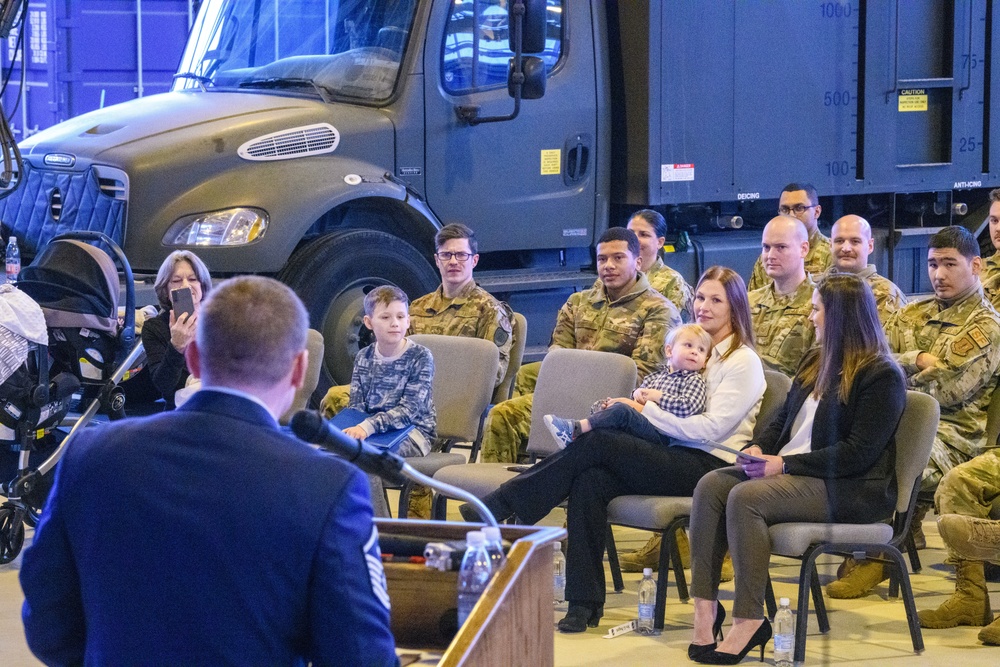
(600, 465)
(829, 455)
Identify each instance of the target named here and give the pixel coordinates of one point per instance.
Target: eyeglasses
(798, 209)
(460, 256)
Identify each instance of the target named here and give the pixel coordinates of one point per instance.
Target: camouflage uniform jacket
(634, 325)
(888, 297)
(965, 338)
(819, 259)
(782, 327)
(474, 313)
(990, 277)
(396, 392)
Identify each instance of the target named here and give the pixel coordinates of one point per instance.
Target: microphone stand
(447, 489)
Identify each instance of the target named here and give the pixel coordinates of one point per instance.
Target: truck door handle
(577, 158)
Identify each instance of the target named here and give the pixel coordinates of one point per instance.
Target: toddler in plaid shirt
(678, 388)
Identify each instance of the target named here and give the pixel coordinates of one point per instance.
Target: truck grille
(49, 202)
(296, 142)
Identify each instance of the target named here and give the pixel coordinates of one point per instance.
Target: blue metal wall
(82, 54)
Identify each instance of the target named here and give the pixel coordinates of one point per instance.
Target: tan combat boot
(727, 573)
(649, 555)
(420, 503)
(859, 581)
(990, 635)
(969, 537)
(968, 605)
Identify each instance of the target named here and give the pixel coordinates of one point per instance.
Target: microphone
(309, 426)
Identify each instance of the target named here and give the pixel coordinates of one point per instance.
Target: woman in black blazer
(829, 455)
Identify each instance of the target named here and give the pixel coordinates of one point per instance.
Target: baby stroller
(76, 285)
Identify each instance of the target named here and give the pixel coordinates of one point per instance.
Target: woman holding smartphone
(181, 283)
(829, 455)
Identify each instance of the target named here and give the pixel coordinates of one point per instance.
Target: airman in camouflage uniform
(801, 201)
(851, 243)
(949, 347)
(969, 489)
(628, 318)
(473, 313)
(990, 276)
(672, 285)
(780, 311)
(467, 309)
(651, 230)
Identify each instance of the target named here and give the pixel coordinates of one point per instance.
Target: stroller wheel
(11, 533)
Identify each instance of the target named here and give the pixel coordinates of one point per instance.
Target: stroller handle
(128, 331)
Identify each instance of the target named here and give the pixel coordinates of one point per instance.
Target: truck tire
(332, 275)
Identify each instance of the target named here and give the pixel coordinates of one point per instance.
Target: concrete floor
(865, 631)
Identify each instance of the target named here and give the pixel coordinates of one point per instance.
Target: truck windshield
(347, 48)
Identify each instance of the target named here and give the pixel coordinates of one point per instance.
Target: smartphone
(183, 303)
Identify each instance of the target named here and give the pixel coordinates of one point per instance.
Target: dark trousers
(592, 471)
(624, 418)
(733, 512)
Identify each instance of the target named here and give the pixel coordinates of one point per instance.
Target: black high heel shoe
(694, 650)
(579, 617)
(759, 638)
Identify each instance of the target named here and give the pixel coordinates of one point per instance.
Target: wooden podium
(512, 624)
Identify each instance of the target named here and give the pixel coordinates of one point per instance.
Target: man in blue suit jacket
(205, 536)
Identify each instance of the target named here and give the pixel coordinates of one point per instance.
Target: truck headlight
(229, 227)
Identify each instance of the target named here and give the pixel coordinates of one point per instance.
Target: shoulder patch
(962, 346)
(981, 339)
(376, 574)
(499, 337)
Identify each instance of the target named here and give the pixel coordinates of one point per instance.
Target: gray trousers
(732, 512)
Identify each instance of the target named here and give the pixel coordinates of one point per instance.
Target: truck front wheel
(332, 275)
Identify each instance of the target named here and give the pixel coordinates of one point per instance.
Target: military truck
(325, 141)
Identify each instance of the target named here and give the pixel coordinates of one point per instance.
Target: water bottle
(474, 575)
(647, 603)
(784, 636)
(494, 547)
(558, 574)
(13, 260)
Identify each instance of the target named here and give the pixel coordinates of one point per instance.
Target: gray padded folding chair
(668, 514)
(569, 382)
(519, 332)
(806, 541)
(464, 372)
(314, 343)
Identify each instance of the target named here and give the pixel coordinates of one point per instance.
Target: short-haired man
(949, 347)
(852, 243)
(622, 314)
(458, 307)
(991, 265)
(780, 310)
(205, 535)
(799, 200)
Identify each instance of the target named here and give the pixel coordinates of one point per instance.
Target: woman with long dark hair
(601, 465)
(829, 455)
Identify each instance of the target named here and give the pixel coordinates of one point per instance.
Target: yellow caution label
(668, 248)
(551, 162)
(39, 434)
(913, 99)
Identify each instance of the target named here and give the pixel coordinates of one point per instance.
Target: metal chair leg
(616, 570)
(670, 537)
(818, 602)
(668, 546)
(911, 608)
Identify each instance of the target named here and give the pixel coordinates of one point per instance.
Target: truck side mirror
(534, 78)
(533, 29)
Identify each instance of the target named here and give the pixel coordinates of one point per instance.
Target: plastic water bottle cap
(783, 602)
(475, 538)
(647, 572)
(491, 533)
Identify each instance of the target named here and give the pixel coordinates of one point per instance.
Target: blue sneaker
(561, 429)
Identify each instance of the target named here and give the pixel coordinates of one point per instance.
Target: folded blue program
(389, 441)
